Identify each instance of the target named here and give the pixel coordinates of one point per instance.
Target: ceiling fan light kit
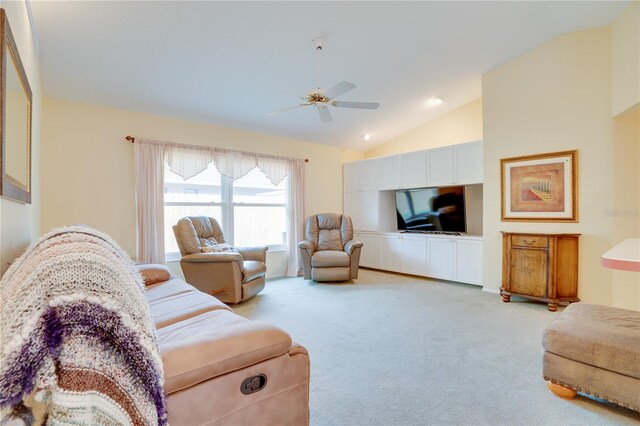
(322, 100)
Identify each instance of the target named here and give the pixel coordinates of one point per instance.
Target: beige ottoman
(594, 350)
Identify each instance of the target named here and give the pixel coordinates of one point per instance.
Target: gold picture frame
(15, 125)
(540, 188)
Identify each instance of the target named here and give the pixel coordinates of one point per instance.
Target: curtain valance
(189, 160)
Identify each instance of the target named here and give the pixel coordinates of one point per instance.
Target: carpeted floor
(391, 349)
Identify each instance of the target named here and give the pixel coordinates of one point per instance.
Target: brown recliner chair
(329, 252)
(231, 274)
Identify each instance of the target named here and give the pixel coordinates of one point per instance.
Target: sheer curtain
(296, 216)
(189, 160)
(149, 181)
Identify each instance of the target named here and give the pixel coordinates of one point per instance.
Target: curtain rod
(132, 140)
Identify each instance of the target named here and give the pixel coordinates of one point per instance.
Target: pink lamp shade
(624, 256)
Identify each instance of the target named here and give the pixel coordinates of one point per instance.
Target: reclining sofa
(220, 368)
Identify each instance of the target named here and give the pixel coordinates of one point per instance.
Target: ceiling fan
(322, 100)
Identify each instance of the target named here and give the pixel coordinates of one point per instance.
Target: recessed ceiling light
(436, 100)
(366, 136)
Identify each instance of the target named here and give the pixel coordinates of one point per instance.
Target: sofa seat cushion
(596, 335)
(330, 258)
(252, 269)
(167, 288)
(179, 307)
(213, 344)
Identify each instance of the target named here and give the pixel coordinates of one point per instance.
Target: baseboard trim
(491, 290)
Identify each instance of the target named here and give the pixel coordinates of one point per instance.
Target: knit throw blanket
(78, 342)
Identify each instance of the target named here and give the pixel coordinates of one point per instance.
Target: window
(251, 210)
(259, 210)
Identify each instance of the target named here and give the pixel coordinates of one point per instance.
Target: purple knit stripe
(19, 378)
(84, 318)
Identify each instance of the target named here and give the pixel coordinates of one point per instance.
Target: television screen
(431, 209)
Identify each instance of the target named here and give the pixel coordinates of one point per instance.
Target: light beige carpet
(391, 349)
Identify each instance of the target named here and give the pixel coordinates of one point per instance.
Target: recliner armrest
(258, 254)
(212, 257)
(309, 246)
(351, 246)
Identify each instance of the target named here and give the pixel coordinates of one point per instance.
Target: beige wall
(463, 124)
(555, 97)
(626, 201)
(20, 223)
(88, 171)
(625, 59)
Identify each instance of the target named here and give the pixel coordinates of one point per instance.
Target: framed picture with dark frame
(540, 188)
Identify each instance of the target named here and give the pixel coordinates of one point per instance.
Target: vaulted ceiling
(231, 63)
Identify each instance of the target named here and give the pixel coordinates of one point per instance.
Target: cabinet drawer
(529, 241)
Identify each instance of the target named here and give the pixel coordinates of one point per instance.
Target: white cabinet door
(369, 210)
(469, 163)
(368, 172)
(440, 166)
(390, 252)
(352, 208)
(468, 260)
(389, 172)
(414, 169)
(350, 177)
(414, 255)
(440, 255)
(369, 251)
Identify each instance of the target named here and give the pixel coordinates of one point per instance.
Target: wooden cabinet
(364, 209)
(541, 267)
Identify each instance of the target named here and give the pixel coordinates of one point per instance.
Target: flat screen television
(431, 209)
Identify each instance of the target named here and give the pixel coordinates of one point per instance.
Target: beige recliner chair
(329, 252)
(231, 274)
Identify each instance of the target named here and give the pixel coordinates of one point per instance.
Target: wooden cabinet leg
(561, 391)
(553, 306)
(506, 298)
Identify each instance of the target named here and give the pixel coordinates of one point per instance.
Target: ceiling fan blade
(287, 109)
(339, 89)
(361, 105)
(324, 113)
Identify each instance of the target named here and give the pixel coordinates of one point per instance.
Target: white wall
(463, 124)
(20, 223)
(625, 60)
(555, 97)
(88, 172)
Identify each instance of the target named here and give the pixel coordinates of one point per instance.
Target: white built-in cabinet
(414, 169)
(369, 198)
(440, 259)
(369, 254)
(390, 252)
(436, 256)
(455, 165)
(389, 172)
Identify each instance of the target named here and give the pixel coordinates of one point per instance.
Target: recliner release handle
(253, 384)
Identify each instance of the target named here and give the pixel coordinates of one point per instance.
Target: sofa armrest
(351, 246)
(212, 257)
(258, 254)
(309, 246)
